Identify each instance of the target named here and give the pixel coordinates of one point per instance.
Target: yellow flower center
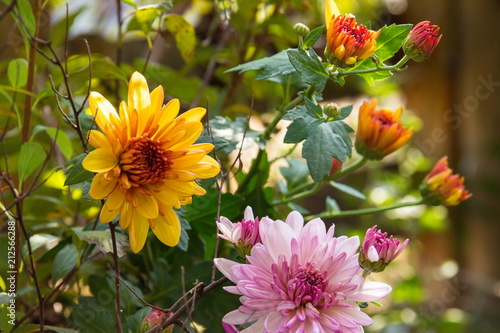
(144, 161)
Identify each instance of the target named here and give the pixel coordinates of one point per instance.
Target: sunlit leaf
(183, 31)
(61, 138)
(31, 157)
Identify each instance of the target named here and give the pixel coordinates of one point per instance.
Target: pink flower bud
(154, 318)
(421, 41)
(378, 250)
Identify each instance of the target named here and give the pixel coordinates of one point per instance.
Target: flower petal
(138, 93)
(147, 206)
(99, 140)
(102, 110)
(138, 232)
(100, 160)
(372, 291)
(101, 187)
(224, 266)
(168, 228)
(195, 114)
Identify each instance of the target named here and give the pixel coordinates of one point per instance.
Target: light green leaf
(17, 72)
(37, 241)
(131, 3)
(64, 262)
(61, 138)
(331, 205)
(31, 157)
(145, 17)
(183, 31)
(348, 190)
(27, 17)
(313, 37)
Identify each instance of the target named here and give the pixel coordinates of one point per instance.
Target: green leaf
(64, 262)
(313, 108)
(61, 138)
(278, 64)
(78, 174)
(300, 129)
(131, 3)
(348, 190)
(321, 145)
(102, 239)
(184, 33)
(30, 328)
(17, 72)
(344, 112)
(31, 157)
(37, 241)
(232, 132)
(296, 173)
(145, 17)
(342, 129)
(89, 315)
(26, 14)
(331, 205)
(309, 67)
(313, 37)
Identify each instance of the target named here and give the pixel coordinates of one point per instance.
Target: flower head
(348, 42)
(421, 41)
(146, 161)
(336, 166)
(154, 318)
(300, 279)
(380, 132)
(442, 187)
(244, 235)
(378, 250)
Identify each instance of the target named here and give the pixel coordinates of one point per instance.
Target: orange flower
(421, 41)
(442, 187)
(347, 41)
(146, 161)
(379, 131)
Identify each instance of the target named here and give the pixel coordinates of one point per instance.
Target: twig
(118, 323)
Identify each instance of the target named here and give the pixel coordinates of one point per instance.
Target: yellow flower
(347, 41)
(146, 161)
(379, 131)
(442, 187)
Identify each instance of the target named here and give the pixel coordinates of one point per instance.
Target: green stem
(299, 196)
(267, 135)
(398, 66)
(365, 211)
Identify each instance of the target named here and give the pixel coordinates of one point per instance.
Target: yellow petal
(126, 214)
(195, 114)
(179, 188)
(167, 198)
(138, 232)
(102, 187)
(100, 160)
(157, 96)
(168, 228)
(330, 10)
(107, 215)
(138, 93)
(169, 112)
(101, 109)
(99, 140)
(198, 190)
(181, 175)
(193, 131)
(115, 200)
(208, 167)
(147, 206)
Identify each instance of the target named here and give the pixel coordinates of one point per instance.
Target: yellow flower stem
(396, 67)
(267, 135)
(365, 211)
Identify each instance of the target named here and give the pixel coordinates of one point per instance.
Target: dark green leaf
(78, 174)
(64, 262)
(313, 37)
(344, 112)
(300, 129)
(342, 129)
(349, 190)
(90, 315)
(31, 157)
(296, 173)
(278, 64)
(17, 72)
(184, 239)
(313, 108)
(309, 67)
(30, 328)
(234, 132)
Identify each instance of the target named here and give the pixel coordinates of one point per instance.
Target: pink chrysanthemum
(300, 279)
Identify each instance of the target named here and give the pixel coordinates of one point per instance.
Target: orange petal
(102, 187)
(100, 160)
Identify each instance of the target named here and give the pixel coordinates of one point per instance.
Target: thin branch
(118, 323)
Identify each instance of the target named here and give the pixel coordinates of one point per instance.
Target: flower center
(144, 161)
(384, 118)
(309, 286)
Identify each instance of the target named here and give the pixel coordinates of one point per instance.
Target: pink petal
(224, 266)
(248, 214)
(372, 291)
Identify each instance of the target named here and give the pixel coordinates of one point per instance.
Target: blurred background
(449, 278)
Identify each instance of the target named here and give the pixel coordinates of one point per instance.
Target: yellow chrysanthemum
(146, 161)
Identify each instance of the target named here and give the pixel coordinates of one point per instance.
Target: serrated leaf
(348, 190)
(78, 174)
(184, 33)
(320, 147)
(31, 157)
(342, 129)
(309, 67)
(300, 129)
(313, 37)
(234, 132)
(296, 173)
(17, 72)
(64, 262)
(313, 108)
(278, 64)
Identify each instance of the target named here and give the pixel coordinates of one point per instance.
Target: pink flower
(377, 251)
(421, 41)
(300, 279)
(244, 235)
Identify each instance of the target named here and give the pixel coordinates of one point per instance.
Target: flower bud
(421, 41)
(154, 318)
(331, 110)
(244, 235)
(379, 131)
(336, 166)
(348, 42)
(441, 187)
(301, 30)
(378, 251)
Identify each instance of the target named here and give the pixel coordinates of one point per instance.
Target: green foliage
(310, 68)
(185, 36)
(278, 64)
(31, 156)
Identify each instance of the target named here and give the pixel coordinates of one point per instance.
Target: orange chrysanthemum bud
(348, 42)
(442, 187)
(380, 132)
(336, 166)
(421, 41)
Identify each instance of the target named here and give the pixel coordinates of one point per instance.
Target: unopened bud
(331, 110)
(336, 166)
(301, 30)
